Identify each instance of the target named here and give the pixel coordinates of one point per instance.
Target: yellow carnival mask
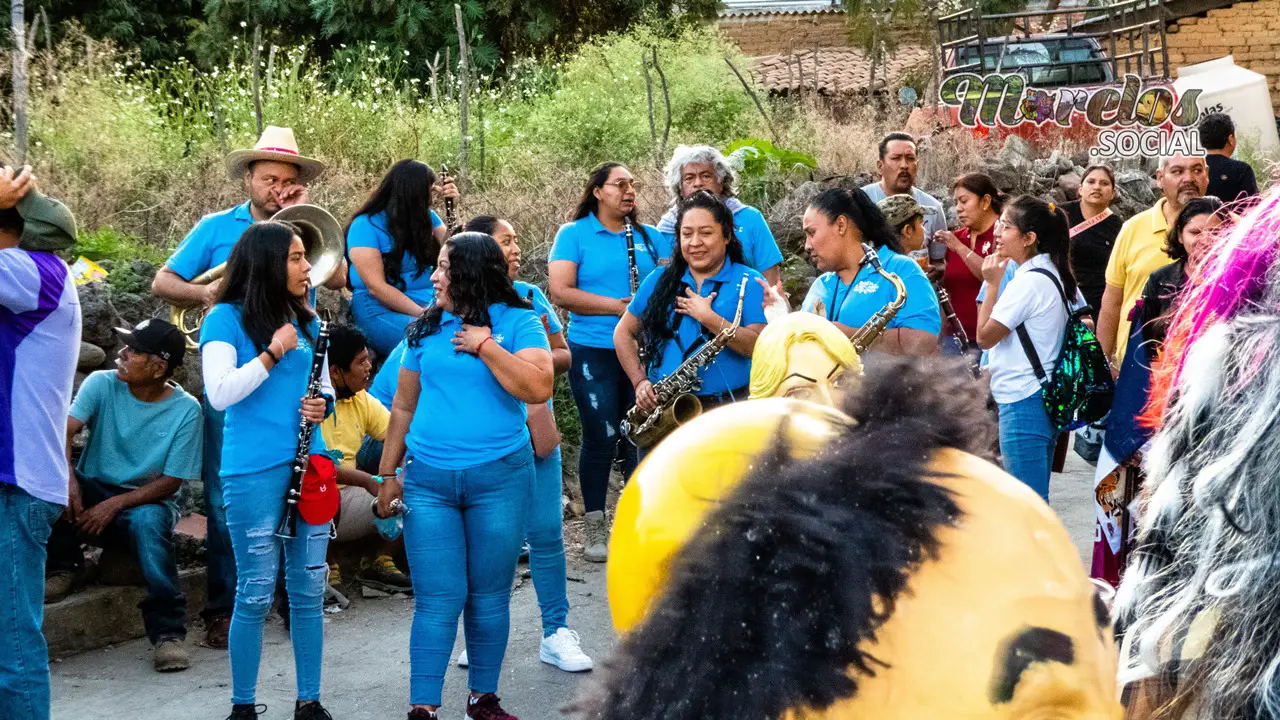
(805, 357)
(999, 622)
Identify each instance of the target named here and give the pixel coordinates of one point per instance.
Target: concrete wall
(1249, 31)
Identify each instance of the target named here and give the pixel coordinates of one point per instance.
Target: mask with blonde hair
(802, 356)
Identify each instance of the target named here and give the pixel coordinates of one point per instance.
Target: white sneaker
(462, 659)
(564, 650)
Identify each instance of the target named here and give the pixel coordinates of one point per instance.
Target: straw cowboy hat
(276, 144)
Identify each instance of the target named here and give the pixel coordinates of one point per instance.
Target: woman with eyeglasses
(590, 275)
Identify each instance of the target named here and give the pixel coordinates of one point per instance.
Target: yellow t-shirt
(1138, 252)
(352, 420)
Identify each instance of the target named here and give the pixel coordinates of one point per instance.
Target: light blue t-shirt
(759, 248)
(172, 428)
(383, 387)
(603, 269)
(209, 243)
(854, 303)
(370, 231)
(39, 346)
(933, 221)
(729, 371)
(464, 416)
(261, 431)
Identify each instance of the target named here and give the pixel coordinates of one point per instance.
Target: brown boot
(596, 545)
(216, 630)
(170, 655)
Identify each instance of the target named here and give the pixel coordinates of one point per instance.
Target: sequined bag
(1080, 390)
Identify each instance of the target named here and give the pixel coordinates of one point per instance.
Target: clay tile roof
(739, 8)
(838, 70)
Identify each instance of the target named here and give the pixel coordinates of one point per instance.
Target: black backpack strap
(1025, 339)
(1030, 350)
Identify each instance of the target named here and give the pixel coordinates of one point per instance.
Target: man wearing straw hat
(275, 174)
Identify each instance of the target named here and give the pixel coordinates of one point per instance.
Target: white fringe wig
(1209, 541)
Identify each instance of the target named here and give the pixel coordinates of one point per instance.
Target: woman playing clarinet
(598, 260)
(257, 348)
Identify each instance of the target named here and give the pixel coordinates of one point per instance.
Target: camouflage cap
(898, 209)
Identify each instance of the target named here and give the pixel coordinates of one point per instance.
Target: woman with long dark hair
(589, 274)
(1093, 232)
(689, 302)
(1035, 235)
(545, 534)
(978, 204)
(478, 357)
(392, 242)
(849, 292)
(256, 348)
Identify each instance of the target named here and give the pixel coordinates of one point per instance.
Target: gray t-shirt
(933, 222)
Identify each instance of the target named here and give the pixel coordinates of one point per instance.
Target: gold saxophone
(875, 325)
(677, 403)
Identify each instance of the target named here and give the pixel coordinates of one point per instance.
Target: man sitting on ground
(354, 434)
(145, 438)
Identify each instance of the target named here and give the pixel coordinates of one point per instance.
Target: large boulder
(99, 315)
(1133, 193)
(91, 357)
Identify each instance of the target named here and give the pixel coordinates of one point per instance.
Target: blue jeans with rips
(255, 505)
(603, 394)
(1027, 442)
(25, 524)
(463, 534)
(545, 536)
(147, 532)
(221, 561)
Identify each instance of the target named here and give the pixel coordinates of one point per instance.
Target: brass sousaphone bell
(323, 238)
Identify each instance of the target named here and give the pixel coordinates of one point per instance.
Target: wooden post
(17, 18)
(255, 57)
(463, 90)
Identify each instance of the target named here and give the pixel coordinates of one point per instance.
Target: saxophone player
(679, 309)
(849, 292)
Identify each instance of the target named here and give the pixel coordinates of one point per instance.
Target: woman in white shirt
(1036, 236)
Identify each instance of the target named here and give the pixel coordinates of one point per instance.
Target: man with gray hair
(702, 167)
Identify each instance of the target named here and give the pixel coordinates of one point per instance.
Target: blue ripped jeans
(255, 505)
(462, 535)
(25, 524)
(546, 543)
(603, 394)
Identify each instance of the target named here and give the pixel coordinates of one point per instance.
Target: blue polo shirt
(370, 231)
(854, 303)
(383, 387)
(759, 248)
(261, 431)
(209, 243)
(464, 416)
(603, 269)
(729, 371)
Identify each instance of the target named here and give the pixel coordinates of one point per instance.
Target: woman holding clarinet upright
(257, 346)
(598, 261)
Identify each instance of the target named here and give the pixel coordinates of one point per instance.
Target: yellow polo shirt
(1138, 252)
(352, 420)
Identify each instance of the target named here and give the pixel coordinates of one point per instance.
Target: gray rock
(1069, 184)
(99, 316)
(75, 388)
(91, 357)
(1016, 151)
(786, 218)
(1133, 193)
(1007, 176)
(135, 307)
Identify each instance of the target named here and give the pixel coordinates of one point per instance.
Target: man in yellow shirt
(1139, 250)
(354, 434)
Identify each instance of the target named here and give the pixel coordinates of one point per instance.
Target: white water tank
(1238, 92)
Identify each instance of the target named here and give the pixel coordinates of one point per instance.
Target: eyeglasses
(1001, 225)
(625, 185)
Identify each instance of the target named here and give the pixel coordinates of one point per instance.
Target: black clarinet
(289, 523)
(957, 330)
(631, 255)
(450, 217)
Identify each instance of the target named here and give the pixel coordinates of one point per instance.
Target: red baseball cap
(319, 501)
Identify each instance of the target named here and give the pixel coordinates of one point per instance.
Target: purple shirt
(39, 347)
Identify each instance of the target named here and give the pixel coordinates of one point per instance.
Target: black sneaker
(311, 711)
(422, 714)
(246, 712)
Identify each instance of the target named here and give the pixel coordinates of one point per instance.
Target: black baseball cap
(156, 337)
